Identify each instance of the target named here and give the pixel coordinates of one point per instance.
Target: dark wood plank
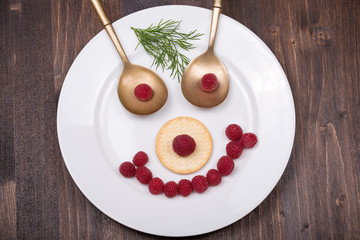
(320, 164)
(7, 159)
(34, 115)
(7, 164)
(8, 210)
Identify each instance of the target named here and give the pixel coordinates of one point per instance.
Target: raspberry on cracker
(184, 145)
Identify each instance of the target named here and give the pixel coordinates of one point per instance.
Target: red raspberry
(171, 189)
(209, 82)
(185, 187)
(234, 132)
(200, 183)
(143, 92)
(140, 159)
(143, 175)
(234, 149)
(225, 165)
(248, 140)
(213, 177)
(183, 145)
(156, 186)
(127, 169)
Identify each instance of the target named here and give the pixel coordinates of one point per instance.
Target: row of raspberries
(199, 183)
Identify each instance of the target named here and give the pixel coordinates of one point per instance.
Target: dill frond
(162, 41)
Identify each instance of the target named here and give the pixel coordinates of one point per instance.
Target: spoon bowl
(207, 62)
(191, 82)
(133, 75)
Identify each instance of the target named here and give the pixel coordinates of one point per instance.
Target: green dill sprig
(162, 41)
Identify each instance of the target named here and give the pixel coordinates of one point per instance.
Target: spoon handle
(214, 22)
(110, 30)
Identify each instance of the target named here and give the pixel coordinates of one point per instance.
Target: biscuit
(191, 127)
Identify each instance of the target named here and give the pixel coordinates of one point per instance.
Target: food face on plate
(183, 144)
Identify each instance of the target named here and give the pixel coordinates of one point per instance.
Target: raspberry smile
(184, 145)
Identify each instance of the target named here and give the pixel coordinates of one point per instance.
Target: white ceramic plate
(96, 134)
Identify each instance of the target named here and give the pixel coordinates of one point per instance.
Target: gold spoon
(133, 75)
(203, 64)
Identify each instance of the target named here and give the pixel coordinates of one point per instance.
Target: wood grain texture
(34, 128)
(7, 158)
(316, 42)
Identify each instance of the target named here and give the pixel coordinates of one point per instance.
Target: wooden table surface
(317, 42)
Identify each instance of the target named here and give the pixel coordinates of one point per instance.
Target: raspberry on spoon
(209, 82)
(143, 92)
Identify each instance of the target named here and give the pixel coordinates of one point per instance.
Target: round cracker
(170, 159)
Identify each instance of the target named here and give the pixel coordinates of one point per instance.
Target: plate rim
(293, 113)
